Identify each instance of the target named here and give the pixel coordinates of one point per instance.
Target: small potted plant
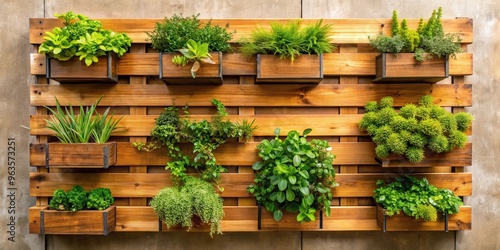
(78, 212)
(419, 55)
(83, 138)
(201, 45)
(194, 203)
(428, 205)
(418, 135)
(294, 176)
(73, 51)
(289, 52)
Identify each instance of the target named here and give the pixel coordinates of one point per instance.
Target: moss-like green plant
(289, 40)
(416, 198)
(78, 199)
(178, 205)
(173, 33)
(427, 41)
(414, 129)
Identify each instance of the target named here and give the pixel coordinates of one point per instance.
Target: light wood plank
(351, 218)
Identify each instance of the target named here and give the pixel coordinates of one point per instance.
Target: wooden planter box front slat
(304, 69)
(402, 222)
(206, 74)
(287, 223)
(457, 158)
(74, 70)
(77, 155)
(403, 67)
(85, 222)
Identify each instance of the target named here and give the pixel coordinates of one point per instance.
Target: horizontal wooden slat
(147, 185)
(229, 154)
(296, 95)
(343, 31)
(138, 125)
(334, 64)
(136, 219)
(351, 218)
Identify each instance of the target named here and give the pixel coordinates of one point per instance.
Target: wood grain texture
(235, 184)
(76, 155)
(346, 31)
(296, 95)
(351, 218)
(305, 68)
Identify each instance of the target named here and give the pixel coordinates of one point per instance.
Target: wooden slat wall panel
(296, 95)
(345, 31)
(333, 109)
(235, 184)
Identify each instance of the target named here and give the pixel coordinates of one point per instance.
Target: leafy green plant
(205, 136)
(414, 129)
(196, 52)
(77, 199)
(294, 175)
(195, 200)
(81, 127)
(99, 198)
(84, 38)
(289, 40)
(174, 33)
(416, 198)
(427, 41)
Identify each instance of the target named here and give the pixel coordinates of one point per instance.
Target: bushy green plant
(178, 205)
(81, 127)
(294, 175)
(84, 38)
(99, 198)
(174, 33)
(196, 52)
(414, 128)
(78, 199)
(205, 136)
(416, 198)
(427, 41)
(289, 40)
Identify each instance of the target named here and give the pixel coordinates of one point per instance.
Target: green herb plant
(195, 201)
(294, 175)
(84, 38)
(416, 198)
(427, 41)
(289, 40)
(195, 52)
(205, 136)
(173, 34)
(77, 199)
(82, 127)
(414, 129)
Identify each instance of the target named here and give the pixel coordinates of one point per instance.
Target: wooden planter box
(85, 222)
(207, 74)
(403, 222)
(304, 69)
(289, 222)
(77, 155)
(74, 70)
(457, 158)
(403, 67)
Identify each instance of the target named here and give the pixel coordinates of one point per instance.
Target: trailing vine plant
(294, 175)
(414, 129)
(427, 41)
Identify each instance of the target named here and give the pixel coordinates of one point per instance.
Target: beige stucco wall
(14, 107)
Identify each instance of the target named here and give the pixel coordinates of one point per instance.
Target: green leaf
(307, 131)
(304, 190)
(292, 179)
(277, 132)
(304, 174)
(310, 199)
(290, 195)
(57, 50)
(296, 160)
(282, 184)
(258, 165)
(273, 196)
(301, 217)
(277, 215)
(280, 197)
(310, 154)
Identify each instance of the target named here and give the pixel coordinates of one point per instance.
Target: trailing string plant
(193, 38)
(294, 175)
(189, 205)
(414, 129)
(427, 41)
(77, 199)
(416, 198)
(289, 40)
(84, 38)
(82, 127)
